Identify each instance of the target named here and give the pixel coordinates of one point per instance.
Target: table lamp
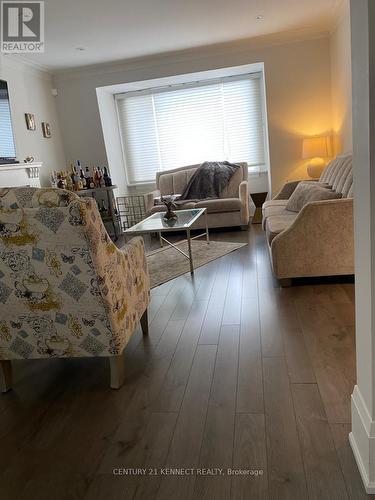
(315, 149)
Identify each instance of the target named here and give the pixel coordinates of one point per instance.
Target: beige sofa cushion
(220, 205)
(213, 206)
(342, 174)
(338, 174)
(166, 185)
(275, 224)
(273, 207)
(231, 191)
(161, 207)
(307, 192)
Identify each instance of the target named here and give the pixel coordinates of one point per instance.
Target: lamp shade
(315, 147)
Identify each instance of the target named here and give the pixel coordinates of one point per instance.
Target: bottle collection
(79, 178)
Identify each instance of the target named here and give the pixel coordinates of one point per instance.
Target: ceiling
(113, 30)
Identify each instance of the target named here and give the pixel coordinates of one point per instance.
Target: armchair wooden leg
(144, 323)
(117, 371)
(6, 375)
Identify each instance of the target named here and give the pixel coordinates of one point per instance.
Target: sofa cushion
(180, 181)
(342, 174)
(329, 171)
(220, 205)
(213, 206)
(273, 207)
(275, 224)
(306, 192)
(347, 185)
(166, 184)
(232, 189)
(161, 207)
(316, 183)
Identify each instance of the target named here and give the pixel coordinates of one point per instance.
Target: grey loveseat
(231, 209)
(318, 240)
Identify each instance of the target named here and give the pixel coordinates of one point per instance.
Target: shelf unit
(106, 194)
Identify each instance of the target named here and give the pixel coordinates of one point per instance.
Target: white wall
(30, 92)
(297, 85)
(341, 85)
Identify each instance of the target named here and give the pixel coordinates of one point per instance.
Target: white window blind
(6, 135)
(187, 124)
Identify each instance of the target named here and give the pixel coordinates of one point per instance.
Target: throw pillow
(316, 183)
(306, 192)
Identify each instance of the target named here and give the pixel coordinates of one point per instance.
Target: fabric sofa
(318, 240)
(231, 209)
(65, 289)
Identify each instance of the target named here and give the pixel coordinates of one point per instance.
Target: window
(216, 120)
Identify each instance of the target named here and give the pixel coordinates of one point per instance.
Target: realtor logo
(22, 26)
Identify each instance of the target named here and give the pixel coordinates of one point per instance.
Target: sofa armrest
(149, 199)
(243, 195)
(320, 242)
(287, 190)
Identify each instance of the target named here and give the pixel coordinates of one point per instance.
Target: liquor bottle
(101, 178)
(87, 177)
(54, 179)
(63, 179)
(91, 180)
(103, 208)
(83, 179)
(75, 178)
(60, 182)
(96, 178)
(72, 173)
(106, 177)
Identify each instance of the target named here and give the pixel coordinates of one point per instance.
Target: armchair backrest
(175, 181)
(60, 290)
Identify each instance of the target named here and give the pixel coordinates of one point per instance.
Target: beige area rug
(167, 263)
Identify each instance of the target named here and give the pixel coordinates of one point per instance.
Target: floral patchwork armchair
(65, 289)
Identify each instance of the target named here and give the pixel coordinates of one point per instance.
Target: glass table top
(156, 222)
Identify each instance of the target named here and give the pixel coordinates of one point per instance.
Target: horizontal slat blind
(244, 121)
(137, 124)
(7, 149)
(209, 121)
(189, 125)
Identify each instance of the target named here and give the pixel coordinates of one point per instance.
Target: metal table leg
(189, 248)
(207, 235)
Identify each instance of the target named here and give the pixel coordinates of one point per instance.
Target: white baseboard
(369, 486)
(362, 440)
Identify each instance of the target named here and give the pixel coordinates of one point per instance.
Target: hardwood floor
(236, 373)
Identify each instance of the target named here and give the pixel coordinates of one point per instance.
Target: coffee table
(185, 219)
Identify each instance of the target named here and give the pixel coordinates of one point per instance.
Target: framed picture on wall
(30, 121)
(46, 128)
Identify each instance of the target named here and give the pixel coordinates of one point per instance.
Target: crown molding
(17, 61)
(235, 47)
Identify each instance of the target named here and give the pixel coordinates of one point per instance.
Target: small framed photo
(30, 121)
(46, 128)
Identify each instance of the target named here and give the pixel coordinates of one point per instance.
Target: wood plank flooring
(237, 374)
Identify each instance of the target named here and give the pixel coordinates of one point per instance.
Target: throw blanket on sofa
(209, 180)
